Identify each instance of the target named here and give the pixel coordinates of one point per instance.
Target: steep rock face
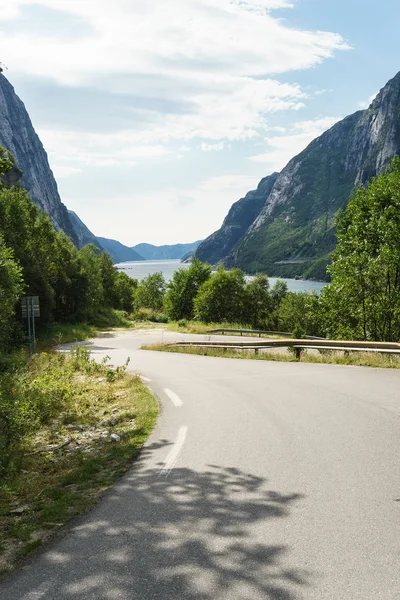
(18, 136)
(241, 215)
(293, 234)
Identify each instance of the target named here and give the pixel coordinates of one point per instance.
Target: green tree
(363, 299)
(7, 161)
(299, 313)
(257, 303)
(183, 288)
(125, 287)
(150, 292)
(11, 288)
(222, 297)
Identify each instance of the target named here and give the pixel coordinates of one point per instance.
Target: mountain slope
(84, 235)
(119, 252)
(18, 136)
(294, 232)
(241, 215)
(169, 252)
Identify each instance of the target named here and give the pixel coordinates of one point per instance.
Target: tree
(363, 299)
(222, 297)
(125, 287)
(11, 288)
(150, 292)
(183, 288)
(299, 313)
(257, 304)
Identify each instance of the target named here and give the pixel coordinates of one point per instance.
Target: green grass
(65, 333)
(56, 483)
(363, 359)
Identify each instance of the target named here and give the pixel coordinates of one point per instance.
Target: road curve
(262, 480)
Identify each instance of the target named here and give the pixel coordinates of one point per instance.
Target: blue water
(139, 270)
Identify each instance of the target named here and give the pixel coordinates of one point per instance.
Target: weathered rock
(293, 232)
(18, 136)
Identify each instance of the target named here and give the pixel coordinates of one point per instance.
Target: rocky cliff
(293, 233)
(240, 217)
(18, 136)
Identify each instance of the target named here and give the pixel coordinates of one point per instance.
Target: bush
(148, 314)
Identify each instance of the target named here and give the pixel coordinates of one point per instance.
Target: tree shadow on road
(183, 536)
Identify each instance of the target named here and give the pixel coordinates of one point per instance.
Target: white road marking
(38, 593)
(145, 379)
(173, 397)
(173, 454)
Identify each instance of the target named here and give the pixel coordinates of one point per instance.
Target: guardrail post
(297, 352)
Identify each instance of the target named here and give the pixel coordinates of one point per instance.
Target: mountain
(119, 252)
(293, 234)
(241, 215)
(175, 251)
(84, 235)
(18, 136)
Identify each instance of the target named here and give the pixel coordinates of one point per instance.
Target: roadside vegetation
(69, 427)
(332, 357)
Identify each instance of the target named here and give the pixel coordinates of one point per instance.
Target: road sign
(30, 306)
(30, 310)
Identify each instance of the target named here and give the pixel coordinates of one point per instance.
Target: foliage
(72, 285)
(257, 303)
(363, 300)
(58, 408)
(150, 292)
(11, 287)
(221, 297)
(182, 290)
(7, 161)
(299, 313)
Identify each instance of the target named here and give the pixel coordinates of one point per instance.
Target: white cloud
(73, 148)
(367, 103)
(63, 171)
(212, 147)
(283, 148)
(203, 53)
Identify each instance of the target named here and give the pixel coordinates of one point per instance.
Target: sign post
(30, 310)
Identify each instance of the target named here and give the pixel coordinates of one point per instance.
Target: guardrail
(298, 345)
(260, 333)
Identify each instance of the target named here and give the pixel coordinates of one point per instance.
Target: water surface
(140, 269)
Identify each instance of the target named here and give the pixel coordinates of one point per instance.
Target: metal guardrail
(260, 333)
(298, 345)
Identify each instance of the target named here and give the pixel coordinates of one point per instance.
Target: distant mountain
(293, 233)
(175, 251)
(84, 235)
(119, 252)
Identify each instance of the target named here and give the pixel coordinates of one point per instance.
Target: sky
(157, 115)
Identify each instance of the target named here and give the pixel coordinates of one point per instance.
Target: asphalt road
(262, 480)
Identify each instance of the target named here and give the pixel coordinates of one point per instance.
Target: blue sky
(158, 115)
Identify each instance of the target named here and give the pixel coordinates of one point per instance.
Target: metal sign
(30, 310)
(30, 306)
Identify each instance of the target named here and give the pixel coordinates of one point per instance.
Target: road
(262, 480)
